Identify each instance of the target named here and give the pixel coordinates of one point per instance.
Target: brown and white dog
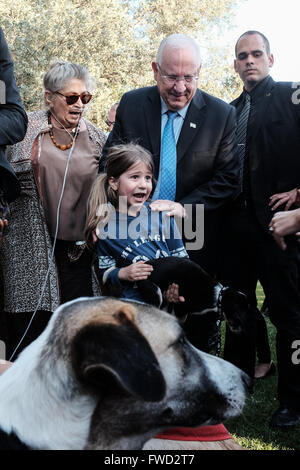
(111, 374)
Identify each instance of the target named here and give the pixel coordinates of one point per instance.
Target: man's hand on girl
(135, 272)
(174, 208)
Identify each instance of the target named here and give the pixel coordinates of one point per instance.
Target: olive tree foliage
(97, 34)
(204, 20)
(115, 39)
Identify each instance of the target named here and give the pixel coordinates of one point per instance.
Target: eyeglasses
(71, 99)
(110, 123)
(171, 79)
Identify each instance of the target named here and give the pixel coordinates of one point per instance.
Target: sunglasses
(71, 99)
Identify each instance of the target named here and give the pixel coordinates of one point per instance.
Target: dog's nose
(248, 383)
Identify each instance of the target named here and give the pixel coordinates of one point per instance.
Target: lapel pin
(192, 124)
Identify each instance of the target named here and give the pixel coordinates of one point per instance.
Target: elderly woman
(56, 164)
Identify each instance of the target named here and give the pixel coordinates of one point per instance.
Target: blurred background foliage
(116, 40)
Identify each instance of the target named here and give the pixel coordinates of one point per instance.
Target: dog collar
(217, 303)
(11, 442)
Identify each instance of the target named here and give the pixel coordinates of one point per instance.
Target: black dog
(202, 293)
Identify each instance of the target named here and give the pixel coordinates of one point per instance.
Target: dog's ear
(234, 305)
(106, 354)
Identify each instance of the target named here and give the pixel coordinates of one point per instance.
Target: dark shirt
(256, 94)
(256, 108)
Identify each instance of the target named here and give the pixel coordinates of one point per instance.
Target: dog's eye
(180, 341)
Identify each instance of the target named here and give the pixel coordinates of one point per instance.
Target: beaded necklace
(62, 146)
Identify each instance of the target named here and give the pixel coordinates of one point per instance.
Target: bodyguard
(270, 169)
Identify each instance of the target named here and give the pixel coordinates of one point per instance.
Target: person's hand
(280, 241)
(285, 223)
(288, 198)
(172, 294)
(135, 272)
(3, 224)
(174, 208)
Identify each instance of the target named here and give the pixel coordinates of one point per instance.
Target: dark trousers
(250, 254)
(263, 351)
(75, 277)
(17, 324)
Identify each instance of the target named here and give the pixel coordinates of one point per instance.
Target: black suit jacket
(207, 165)
(274, 146)
(13, 120)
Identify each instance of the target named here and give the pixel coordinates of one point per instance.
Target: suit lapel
(152, 112)
(192, 124)
(267, 99)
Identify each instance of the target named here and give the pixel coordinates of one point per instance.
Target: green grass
(251, 429)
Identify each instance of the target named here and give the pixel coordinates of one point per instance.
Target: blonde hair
(103, 199)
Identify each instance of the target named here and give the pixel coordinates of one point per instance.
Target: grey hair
(60, 73)
(178, 41)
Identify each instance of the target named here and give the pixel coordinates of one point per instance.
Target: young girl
(127, 233)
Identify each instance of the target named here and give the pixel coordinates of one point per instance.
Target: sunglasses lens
(72, 99)
(86, 98)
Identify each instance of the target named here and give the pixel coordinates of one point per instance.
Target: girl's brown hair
(119, 159)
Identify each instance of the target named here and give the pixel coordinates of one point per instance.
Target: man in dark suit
(206, 168)
(271, 169)
(13, 125)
